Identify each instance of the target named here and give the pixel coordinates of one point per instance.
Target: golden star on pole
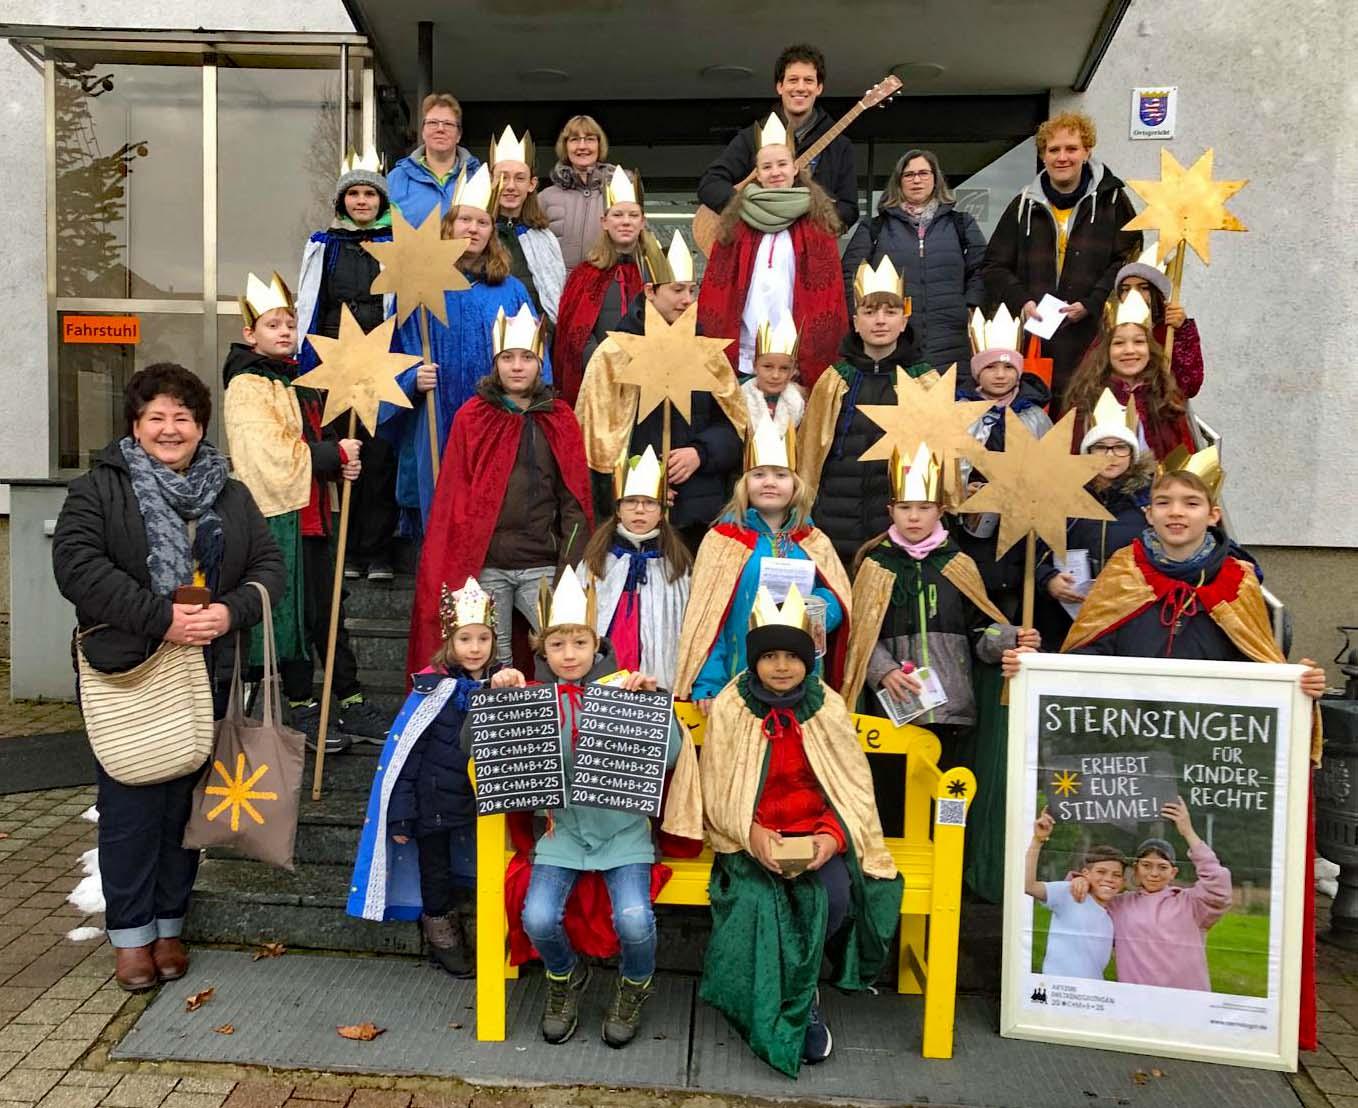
(1035, 484)
(671, 361)
(418, 266)
(358, 371)
(1185, 205)
(926, 411)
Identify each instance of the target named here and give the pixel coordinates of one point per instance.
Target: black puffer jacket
(719, 448)
(832, 169)
(434, 791)
(99, 554)
(942, 277)
(852, 495)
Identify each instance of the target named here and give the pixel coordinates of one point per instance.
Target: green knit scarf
(772, 210)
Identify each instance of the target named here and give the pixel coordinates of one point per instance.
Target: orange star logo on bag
(238, 792)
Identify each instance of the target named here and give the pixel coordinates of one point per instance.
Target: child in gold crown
(591, 867)
(782, 761)
(422, 791)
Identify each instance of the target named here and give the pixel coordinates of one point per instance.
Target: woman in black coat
(120, 550)
(936, 248)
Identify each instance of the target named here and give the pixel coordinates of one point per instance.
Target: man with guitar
(799, 79)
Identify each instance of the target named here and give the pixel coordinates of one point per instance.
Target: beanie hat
(780, 636)
(357, 176)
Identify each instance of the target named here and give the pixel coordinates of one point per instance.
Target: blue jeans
(629, 889)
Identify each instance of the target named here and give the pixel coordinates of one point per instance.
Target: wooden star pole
(1184, 206)
(1035, 486)
(357, 372)
(419, 266)
(668, 364)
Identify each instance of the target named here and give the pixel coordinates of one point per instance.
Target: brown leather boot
(171, 959)
(135, 970)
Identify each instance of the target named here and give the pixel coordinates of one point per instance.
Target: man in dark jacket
(799, 79)
(1063, 235)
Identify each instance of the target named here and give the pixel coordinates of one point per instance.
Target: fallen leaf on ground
(197, 1000)
(1157, 1073)
(269, 950)
(364, 1032)
(1140, 1077)
(455, 1027)
(4, 834)
(225, 1029)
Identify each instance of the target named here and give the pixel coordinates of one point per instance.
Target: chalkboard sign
(620, 754)
(1125, 789)
(516, 747)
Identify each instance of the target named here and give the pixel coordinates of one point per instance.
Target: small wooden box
(793, 855)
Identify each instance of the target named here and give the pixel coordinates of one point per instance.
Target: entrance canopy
(710, 49)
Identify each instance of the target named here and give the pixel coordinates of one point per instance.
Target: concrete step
(385, 687)
(379, 599)
(248, 903)
(378, 644)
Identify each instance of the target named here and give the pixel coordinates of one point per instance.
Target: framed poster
(1154, 875)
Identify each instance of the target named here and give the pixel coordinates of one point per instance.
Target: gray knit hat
(358, 169)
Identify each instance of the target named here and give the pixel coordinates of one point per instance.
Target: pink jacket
(1161, 938)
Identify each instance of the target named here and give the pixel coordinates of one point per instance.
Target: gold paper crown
(1134, 309)
(1205, 464)
(470, 604)
(517, 332)
(674, 265)
(1001, 332)
(509, 148)
(1109, 413)
(260, 298)
(766, 447)
(622, 188)
(369, 162)
(884, 278)
(639, 475)
(572, 604)
(793, 613)
(477, 192)
(781, 338)
(919, 479)
(772, 133)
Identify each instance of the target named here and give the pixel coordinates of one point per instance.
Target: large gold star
(926, 410)
(418, 266)
(671, 361)
(1185, 205)
(358, 371)
(1035, 484)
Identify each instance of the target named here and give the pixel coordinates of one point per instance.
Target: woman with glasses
(574, 201)
(424, 180)
(936, 248)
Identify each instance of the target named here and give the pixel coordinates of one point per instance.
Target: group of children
(509, 525)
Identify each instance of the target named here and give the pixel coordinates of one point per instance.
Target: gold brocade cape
(816, 432)
(871, 598)
(606, 410)
(683, 811)
(1121, 591)
(264, 435)
(716, 572)
(732, 766)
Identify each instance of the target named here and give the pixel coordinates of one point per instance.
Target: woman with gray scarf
(936, 248)
(121, 548)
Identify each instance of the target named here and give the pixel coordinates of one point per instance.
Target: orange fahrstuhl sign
(122, 330)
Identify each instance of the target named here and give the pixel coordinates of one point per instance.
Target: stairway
(244, 902)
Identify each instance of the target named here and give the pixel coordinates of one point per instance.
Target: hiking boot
(819, 1042)
(561, 1012)
(624, 1014)
(380, 570)
(446, 944)
(352, 570)
(360, 720)
(306, 718)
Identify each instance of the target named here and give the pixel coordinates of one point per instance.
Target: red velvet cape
(477, 461)
(581, 300)
(818, 304)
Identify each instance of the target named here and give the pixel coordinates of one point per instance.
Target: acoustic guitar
(705, 220)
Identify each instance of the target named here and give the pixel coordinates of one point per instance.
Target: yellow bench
(931, 865)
